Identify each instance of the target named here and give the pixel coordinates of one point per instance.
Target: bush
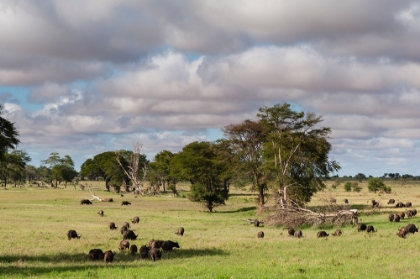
(376, 184)
(347, 186)
(356, 188)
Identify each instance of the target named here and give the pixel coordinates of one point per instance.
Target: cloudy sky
(83, 77)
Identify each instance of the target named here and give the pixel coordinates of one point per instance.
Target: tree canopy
(8, 135)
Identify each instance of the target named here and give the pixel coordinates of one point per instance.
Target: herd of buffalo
(393, 217)
(153, 249)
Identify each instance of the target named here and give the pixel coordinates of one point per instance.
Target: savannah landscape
(221, 244)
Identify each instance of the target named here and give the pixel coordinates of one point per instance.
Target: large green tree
(12, 167)
(159, 171)
(62, 169)
(8, 135)
(201, 164)
(296, 151)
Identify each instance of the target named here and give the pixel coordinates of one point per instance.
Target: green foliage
(356, 188)
(335, 184)
(376, 184)
(8, 135)
(347, 186)
(205, 168)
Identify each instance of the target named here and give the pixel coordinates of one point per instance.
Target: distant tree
(8, 135)
(347, 186)
(376, 184)
(62, 169)
(31, 173)
(12, 167)
(159, 170)
(199, 163)
(360, 177)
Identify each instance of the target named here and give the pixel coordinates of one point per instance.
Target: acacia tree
(159, 171)
(247, 142)
(12, 167)
(199, 163)
(62, 169)
(8, 135)
(296, 151)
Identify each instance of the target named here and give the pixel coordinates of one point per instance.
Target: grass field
(34, 223)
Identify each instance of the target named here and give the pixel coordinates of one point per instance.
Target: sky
(84, 77)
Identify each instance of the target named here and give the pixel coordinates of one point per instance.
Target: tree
(199, 163)
(360, 177)
(8, 135)
(376, 184)
(347, 186)
(296, 151)
(12, 167)
(247, 141)
(159, 171)
(62, 169)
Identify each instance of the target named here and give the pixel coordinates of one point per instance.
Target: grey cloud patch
(49, 92)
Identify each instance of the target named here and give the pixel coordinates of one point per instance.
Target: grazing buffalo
(408, 204)
(72, 234)
(370, 229)
(375, 203)
(123, 229)
(144, 252)
(260, 234)
(125, 203)
(129, 234)
(86, 201)
(298, 234)
(156, 243)
(124, 244)
(391, 201)
(414, 212)
(400, 204)
(346, 201)
(411, 228)
(180, 231)
(112, 226)
(291, 231)
(396, 218)
(337, 232)
(155, 254)
(135, 220)
(322, 234)
(133, 249)
(101, 213)
(127, 225)
(361, 227)
(95, 254)
(402, 215)
(256, 223)
(168, 245)
(391, 217)
(109, 256)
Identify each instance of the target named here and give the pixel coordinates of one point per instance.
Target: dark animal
(135, 220)
(126, 203)
(260, 234)
(408, 204)
(375, 203)
(391, 201)
(85, 201)
(129, 234)
(109, 256)
(322, 234)
(414, 212)
(127, 225)
(123, 229)
(391, 217)
(396, 218)
(112, 226)
(256, 223)
(124, 244)
(346, 201)
(411, 228)
(361, 227)
(370, 229)
(144, 252)
(168, 245)
(155, 243)
(298, 233)
(337, 232)
(155, 254)
(133, 249)
(101, 213)
(400, 204)
(95, 254)
(409, 213)
(402, 215)
(72, 234)
(180, 231)
(291, 231)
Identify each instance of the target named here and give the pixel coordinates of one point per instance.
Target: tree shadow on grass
(243, 209)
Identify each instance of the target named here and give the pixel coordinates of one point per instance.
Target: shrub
(356, 188)
(376, 184)
(347, 186)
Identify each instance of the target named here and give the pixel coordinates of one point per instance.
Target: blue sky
(82, 78)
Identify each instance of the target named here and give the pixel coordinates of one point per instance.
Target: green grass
(34, 223)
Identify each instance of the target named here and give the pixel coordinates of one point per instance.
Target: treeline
(282, 151)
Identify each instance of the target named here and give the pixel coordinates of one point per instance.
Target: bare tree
(133, 168)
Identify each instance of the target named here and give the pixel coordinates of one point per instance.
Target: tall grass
(34, 223)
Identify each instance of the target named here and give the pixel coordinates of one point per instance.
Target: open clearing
(35, 221)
